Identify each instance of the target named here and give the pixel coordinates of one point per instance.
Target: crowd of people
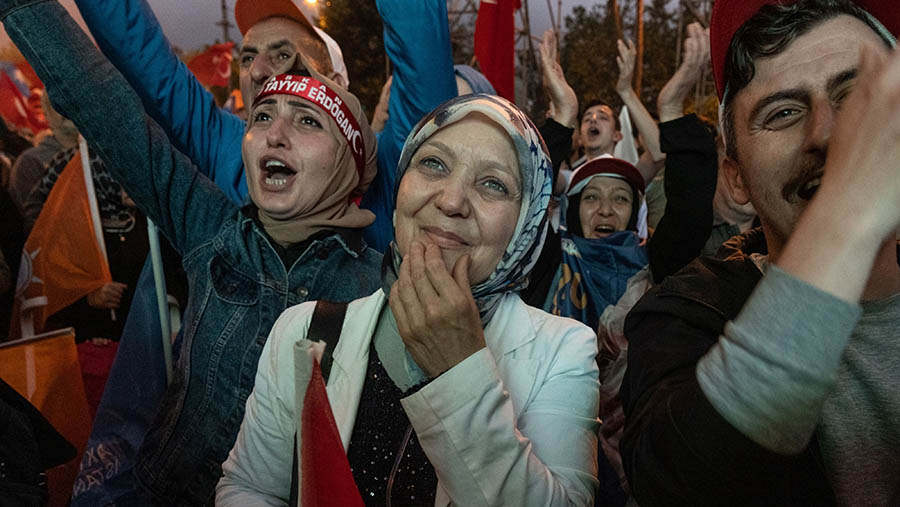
(492, 312)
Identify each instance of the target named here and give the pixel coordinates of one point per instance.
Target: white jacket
(513, 424)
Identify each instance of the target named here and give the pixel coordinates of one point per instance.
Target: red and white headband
(318, 93)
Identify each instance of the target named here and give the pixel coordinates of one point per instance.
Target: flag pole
(92, 202)
(162, 303)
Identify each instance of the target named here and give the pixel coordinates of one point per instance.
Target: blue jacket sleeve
(417, 41)
(86, 88)
(129, 35)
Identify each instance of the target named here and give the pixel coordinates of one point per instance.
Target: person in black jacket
(29, 446)
(769, 376)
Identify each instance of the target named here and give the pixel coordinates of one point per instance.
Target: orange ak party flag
(213, 66)
(46, 372)
(61, 259)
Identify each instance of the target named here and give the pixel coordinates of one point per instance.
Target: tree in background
(587, 47)
(660, 41)
(462, 14)
(357, 28)
(588, 52)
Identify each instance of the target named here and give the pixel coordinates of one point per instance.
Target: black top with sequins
(383, 442)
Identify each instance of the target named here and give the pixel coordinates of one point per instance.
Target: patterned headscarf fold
(511, 273)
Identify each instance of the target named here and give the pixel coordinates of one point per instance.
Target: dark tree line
(587, 52)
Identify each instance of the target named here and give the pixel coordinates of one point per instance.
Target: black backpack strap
(325, 326)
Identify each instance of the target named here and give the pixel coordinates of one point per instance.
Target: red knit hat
(729, 15)
(604, 166)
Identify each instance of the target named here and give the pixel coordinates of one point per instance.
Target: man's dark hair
(769, 32)
(595, 103)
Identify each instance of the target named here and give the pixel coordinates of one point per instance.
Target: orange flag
(45, 371)
(61, 259)
(213, 66)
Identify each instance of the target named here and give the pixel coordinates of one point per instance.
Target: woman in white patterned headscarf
(445, 387)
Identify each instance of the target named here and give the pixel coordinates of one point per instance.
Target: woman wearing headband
(445, 387)
(309, 153)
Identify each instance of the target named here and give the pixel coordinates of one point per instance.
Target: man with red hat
(769, 376)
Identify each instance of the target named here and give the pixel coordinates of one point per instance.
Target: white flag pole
(162, 302)
(92, 201)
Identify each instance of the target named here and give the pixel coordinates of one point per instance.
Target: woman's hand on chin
(435, 311)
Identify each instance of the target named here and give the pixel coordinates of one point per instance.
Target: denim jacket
(238, 283)
(239, 286)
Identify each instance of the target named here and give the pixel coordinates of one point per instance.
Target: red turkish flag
(14, 107)
(327, 478)
(495, 41)
(30, 75)
(213, 66)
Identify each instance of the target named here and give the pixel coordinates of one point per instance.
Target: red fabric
(213, 66)
(14, 107)
(30, 75)
(729, 15)
(608, 165)
(250, 12)
(495, 41)
(96, 361)
(327, 478)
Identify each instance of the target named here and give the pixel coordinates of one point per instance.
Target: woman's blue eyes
(433, 163)
(492, 184)
(496, 186)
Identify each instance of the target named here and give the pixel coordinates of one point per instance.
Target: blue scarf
(593, 274)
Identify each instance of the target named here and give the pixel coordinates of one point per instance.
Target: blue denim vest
(238, 287)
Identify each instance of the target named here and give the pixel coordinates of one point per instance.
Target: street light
(312, 2)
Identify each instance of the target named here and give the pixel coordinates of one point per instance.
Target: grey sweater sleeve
(771, 371)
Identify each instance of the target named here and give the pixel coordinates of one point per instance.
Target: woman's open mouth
(275, 174)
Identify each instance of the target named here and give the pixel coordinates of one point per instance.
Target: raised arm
(646, 125)
(690, 184)
(557, 130)
(86, 88)
(130, 36)
(670, 102)
(417, 41)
